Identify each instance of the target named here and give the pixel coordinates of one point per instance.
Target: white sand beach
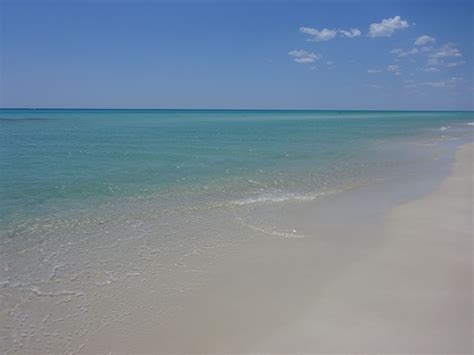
(405, 288)
(412, 295)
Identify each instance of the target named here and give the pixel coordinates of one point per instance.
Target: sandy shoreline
(367, 282)
(402, 286)
(413, 295)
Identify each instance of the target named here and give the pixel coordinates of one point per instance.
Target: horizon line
(226, 109)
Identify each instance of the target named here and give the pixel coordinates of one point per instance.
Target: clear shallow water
(53, 161)
(108, 217)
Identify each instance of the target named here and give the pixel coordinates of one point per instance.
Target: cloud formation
(447, 56)
(304, 57)
(327, 34)
(352, 33)
(449, 83)
(424, 40)
(400, 52)
(319, 35)
(387, 27)
(438, 56)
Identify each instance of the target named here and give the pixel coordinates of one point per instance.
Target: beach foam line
(286, 197)
(280, 198)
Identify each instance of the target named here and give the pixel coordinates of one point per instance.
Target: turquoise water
(55, 161)
(110, 217)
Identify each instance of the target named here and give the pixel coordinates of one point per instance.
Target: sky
(388, 55)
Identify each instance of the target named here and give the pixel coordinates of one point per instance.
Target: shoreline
(313, 276)
(414, 295)
(375, 290)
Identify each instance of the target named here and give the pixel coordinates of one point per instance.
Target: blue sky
(237, 54)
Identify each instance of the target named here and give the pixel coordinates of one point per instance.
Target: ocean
(56, 161)
(95, 203)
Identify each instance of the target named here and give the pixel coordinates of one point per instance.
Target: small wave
(279, 198)
(444, 128)
(290, 196)
(470, 123)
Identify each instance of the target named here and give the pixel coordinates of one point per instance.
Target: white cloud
(423, 40)
(449, 83)
(353, 32)
(374, 71)
(319, 35)
(387, 27)
(304, 57)
(400, 52)
(455, 64)
(327, 34)
(330, 62)
(394, 68)
(430, 70)
(446, 51)
(437, 56)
